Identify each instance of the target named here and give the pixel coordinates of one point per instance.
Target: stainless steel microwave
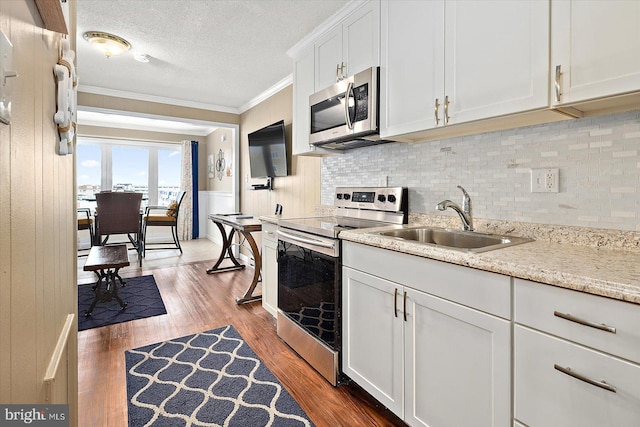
(345, 115)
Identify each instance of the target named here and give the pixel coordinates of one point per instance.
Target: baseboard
(248, 261)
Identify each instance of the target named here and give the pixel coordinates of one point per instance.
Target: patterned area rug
(208, 379)
(140, 293)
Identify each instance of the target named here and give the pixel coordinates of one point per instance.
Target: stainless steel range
(309, 271)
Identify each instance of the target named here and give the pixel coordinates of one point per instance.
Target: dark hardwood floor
(198, 302)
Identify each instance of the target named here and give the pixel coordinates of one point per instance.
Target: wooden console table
(244, 226)
(105, 261)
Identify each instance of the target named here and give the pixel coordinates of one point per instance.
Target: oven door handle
(306, 240)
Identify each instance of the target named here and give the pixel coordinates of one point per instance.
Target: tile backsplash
(598, 159)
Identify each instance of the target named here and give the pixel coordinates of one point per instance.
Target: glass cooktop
(328, 226)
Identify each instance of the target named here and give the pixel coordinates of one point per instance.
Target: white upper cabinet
(482, 65)
(496, 58)
(361, 39)
(303, 87)
(447, 62)
(350, 47)
(412, 70)
(328, 53)
(595, 49)
(348, 44)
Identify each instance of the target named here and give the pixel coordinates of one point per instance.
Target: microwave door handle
(347, 95)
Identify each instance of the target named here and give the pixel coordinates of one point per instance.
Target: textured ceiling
(214, 53)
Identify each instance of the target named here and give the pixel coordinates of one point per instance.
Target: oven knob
(392, 198)
(382, 198)
(347, 196)
(339, 196)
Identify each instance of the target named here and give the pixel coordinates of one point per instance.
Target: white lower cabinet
(434, 343)
(576, 386)
(576, 356)
(372, 341)
(431, 361)
(456, 365)
(270, 267)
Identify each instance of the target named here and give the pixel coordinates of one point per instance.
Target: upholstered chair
(85, 222)
(162, 216)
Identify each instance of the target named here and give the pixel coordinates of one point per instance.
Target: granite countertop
(596, 261)
(273, 219)
(604, 271)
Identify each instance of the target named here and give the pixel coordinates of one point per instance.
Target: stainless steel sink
(469, 241)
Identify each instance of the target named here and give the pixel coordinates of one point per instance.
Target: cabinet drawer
(484, 291)
(269, 230)
(611, 325)
(545, 396)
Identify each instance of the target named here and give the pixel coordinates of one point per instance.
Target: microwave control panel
(361, 94)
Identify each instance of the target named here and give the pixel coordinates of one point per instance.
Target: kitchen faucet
(464, 212)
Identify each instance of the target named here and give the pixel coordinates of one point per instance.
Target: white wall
(598, 158)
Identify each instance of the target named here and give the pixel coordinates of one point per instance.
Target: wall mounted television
(268, 151)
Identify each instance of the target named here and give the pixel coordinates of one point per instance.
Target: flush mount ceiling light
(108, 44)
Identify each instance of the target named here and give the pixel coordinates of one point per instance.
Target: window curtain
(188, 219)
(195, 227)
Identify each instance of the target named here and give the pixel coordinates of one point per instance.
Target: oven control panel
(392, 199)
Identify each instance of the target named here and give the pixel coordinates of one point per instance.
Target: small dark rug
(211, 378)
(140, 293)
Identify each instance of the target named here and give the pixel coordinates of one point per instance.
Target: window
(89, 172)
(149, 168)
(169, 170)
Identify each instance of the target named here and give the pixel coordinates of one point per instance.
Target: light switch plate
(6, 74)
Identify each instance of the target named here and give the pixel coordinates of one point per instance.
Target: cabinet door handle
(557, 82)
(600, 326)
(340, 71)
(404, 306)
(395, 302)
(435, 112)
(446, 110)
(601, 384)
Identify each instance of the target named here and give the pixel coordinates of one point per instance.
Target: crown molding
(96, 90)
(181, 102)
(202, 128)
(267, 93)
(331, 22)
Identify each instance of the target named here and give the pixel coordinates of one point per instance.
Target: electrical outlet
(551, 178)
(545, 180)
